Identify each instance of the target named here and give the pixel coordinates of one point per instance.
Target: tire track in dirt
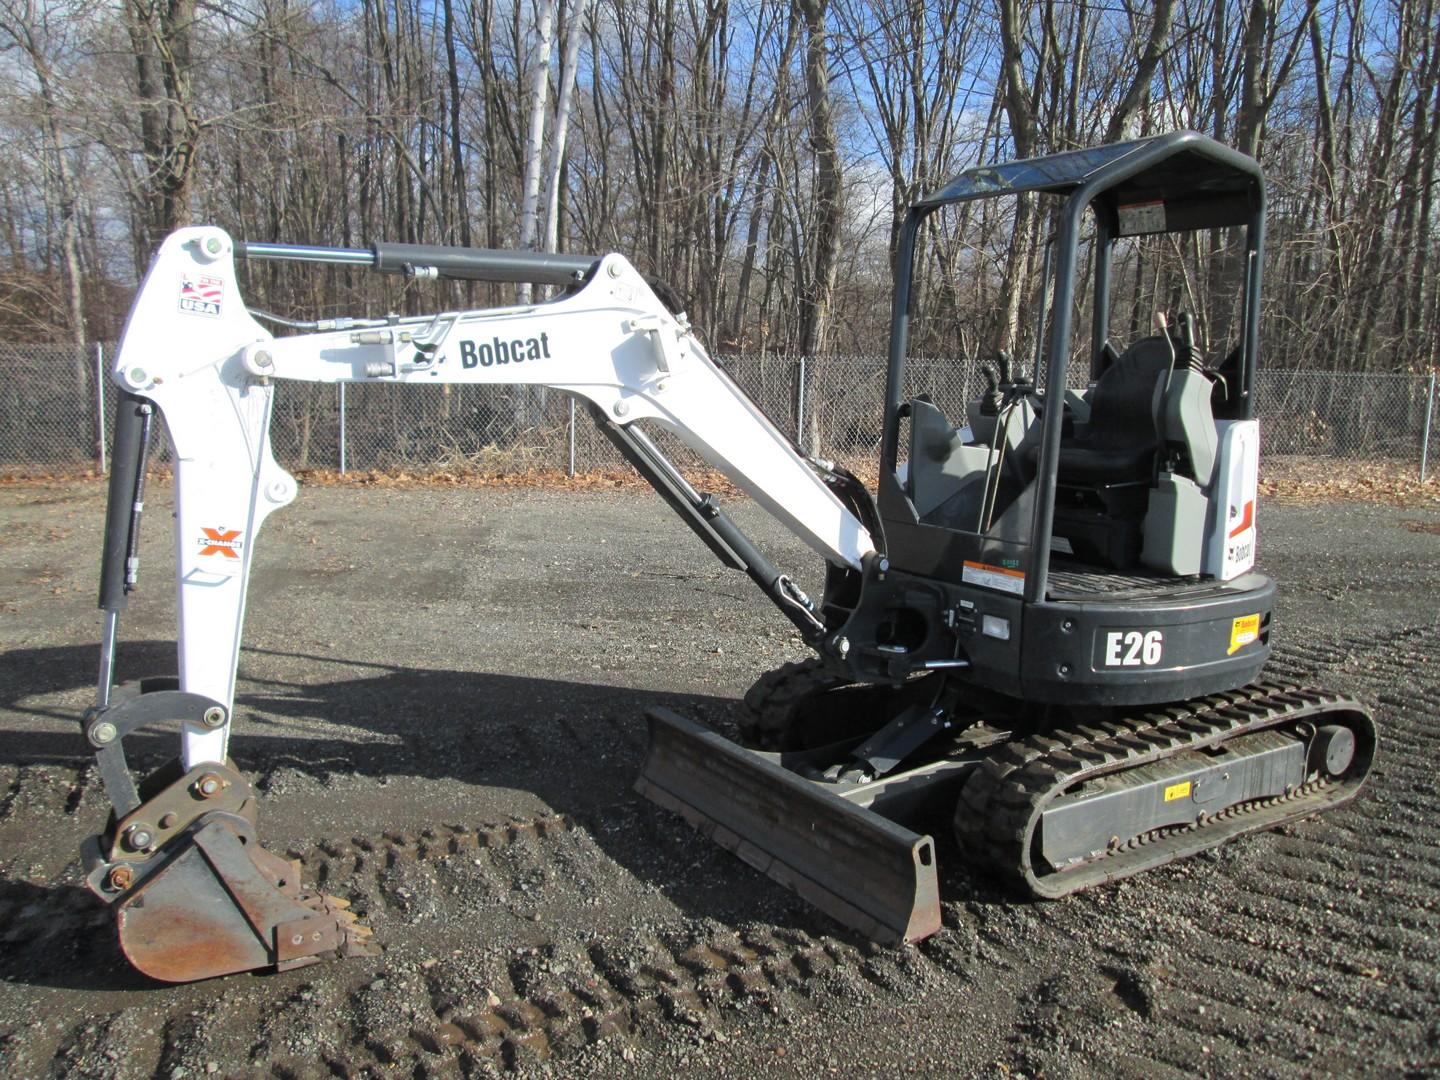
(634, 988)
(1212, 997)
(1239, 970)
(1287, 905)
(617, 982)
(649, 988)
(1288, 935)
(1329, 861)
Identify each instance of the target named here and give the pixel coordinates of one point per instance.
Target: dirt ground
(441, 699)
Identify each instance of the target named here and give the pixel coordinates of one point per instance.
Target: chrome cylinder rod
(304, 253)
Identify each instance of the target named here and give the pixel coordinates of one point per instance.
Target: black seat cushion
(1123, 435)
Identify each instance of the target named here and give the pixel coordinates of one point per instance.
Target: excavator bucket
(224, 904)
(198, 896)
(858, 867)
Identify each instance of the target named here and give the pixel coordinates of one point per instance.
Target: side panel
(1230, 544)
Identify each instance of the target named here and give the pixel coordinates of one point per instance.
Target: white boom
(193, 351)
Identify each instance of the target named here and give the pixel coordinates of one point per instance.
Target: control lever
(990, 399)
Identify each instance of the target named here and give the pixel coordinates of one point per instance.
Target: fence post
(1425, 438)
(340, 387)
(800, 403)
(570, 440)
(100, 403)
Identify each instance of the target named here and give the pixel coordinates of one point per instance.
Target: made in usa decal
(201, 295)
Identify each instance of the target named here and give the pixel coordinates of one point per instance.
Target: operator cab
(1051, 515)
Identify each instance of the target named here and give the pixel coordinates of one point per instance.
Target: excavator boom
(180, 851)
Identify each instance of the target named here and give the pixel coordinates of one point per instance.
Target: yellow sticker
(1177, 791)
(1243, 631)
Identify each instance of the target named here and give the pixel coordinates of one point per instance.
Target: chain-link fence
(54, 416)
(50, 411)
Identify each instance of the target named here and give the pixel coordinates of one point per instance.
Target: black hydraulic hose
(666, 294)
(856, 497)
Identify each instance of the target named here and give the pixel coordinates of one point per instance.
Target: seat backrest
(1124, 406)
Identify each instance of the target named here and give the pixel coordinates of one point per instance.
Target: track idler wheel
(196, 895)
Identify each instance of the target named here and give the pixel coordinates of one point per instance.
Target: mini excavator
(1046, 624)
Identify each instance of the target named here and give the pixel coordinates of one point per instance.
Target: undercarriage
(1048, 801)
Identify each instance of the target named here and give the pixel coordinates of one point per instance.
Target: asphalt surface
(441, 700)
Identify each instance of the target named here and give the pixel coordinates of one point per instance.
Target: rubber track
(772, 700)
(1001, 804)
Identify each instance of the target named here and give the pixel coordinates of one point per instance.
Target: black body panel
(1094, 651)
(1128, 647)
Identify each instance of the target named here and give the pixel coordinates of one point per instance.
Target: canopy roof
(1202, 183)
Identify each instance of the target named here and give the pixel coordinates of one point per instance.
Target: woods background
(756, 155)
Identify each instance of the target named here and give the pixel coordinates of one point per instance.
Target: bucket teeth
(356, 938)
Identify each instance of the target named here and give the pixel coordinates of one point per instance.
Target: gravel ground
(441, 700)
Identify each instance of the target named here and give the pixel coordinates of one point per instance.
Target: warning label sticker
(1177, 791)
(1139, 218)
(988, 576)
(1243, 631)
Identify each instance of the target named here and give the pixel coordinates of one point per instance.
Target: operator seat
(1106, 471)
(1119, 444)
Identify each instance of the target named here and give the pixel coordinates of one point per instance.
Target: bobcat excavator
(1046, 624)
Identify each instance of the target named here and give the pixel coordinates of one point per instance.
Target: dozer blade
(858, 867)
(205, 899)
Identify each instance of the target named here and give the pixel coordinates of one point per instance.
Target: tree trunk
(1021, 112)
(535, 141)
(569, 63)
(824, 244)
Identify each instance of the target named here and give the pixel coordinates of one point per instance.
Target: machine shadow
(576, 747)
(74, 946)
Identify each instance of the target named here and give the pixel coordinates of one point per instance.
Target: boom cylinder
(467, 264)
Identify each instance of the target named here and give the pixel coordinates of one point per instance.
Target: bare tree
(818, 286)
(29, 28)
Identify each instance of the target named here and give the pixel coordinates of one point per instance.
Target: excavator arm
(180, 850)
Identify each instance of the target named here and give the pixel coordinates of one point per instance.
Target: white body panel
(192, 349)
(1230, 544)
